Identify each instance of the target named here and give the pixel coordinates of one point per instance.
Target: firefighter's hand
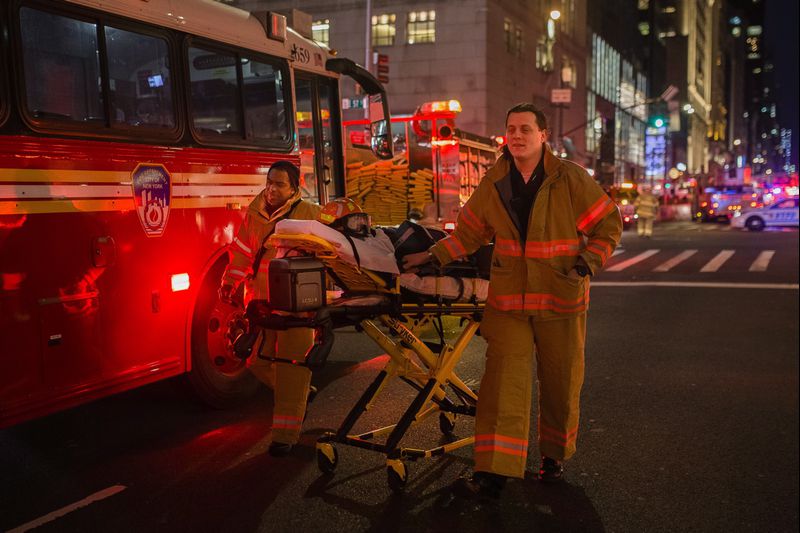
(572, 274)
(225, 293)
(411, 261)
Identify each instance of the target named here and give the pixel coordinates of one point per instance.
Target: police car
(781, 213)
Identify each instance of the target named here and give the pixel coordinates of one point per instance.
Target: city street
(689, 423)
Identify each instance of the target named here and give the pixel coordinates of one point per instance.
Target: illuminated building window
(421, 27)
(321, 31)
(383, 29)
(508, 36)
(644, 28)
(518, 43)
(644, 5)
(544, 54)
(569, 72)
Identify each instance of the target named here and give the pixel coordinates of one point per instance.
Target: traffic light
(658, 121)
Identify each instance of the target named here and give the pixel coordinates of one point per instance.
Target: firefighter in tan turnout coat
(249, 264)
(553, 227)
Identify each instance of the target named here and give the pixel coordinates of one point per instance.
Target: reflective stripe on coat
(571, 217)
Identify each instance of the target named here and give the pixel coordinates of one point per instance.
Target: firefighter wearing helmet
(346, 216)
(249, 266)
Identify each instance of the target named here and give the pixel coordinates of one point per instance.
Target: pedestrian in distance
(249, 265)
(646, 206)
(553, 228)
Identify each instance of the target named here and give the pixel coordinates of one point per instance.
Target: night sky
(780, 36)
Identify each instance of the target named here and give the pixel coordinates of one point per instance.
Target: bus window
(139, 79)
(264, 103)
(215, 97)
(62, 67)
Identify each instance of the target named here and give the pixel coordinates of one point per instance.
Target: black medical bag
(296, 284)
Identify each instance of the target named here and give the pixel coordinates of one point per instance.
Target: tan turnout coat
(571, 217)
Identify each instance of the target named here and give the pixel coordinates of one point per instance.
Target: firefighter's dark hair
(526, 107)
(291, 170)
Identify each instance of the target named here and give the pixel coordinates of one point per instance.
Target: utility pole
(368, 50)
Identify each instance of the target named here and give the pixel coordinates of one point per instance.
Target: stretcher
(376, 305)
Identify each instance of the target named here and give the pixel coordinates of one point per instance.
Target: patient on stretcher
(374, 250)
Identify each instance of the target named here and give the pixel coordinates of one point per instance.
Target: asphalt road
(689, 423)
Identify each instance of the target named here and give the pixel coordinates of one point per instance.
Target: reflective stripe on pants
(504, 401)
(290, 383)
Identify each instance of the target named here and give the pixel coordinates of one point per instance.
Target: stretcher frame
(427, 367)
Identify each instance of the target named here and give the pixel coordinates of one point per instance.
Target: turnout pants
(290, 383)
(503, 415)
(644, 226)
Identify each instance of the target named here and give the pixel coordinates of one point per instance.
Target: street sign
(352, 103)
(560, 96)
(382, 67)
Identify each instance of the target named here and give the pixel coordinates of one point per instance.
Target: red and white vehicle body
(133, 135)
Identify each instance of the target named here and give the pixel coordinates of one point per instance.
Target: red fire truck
(428, 146)
(132, 138)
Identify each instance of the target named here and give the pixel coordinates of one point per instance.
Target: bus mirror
(380, 128)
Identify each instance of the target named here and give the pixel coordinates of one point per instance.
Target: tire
(397, 476)
(755, 224)
(327, 457)
(218, 378)
(447, 423)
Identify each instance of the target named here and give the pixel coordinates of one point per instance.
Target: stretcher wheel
(327, 457)
(396, 475)
(447, 423)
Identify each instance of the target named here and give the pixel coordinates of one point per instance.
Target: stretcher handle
(316, 356)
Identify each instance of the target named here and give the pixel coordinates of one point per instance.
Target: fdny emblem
(152, 189)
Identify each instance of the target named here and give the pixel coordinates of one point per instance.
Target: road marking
(680, 258)
(704, 284)
(632, 261)
(617, 252)
(762, 261)
(718, 261)
(97, 496)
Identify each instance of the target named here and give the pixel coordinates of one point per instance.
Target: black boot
(279, 449)
(551, 471)
(480, 485)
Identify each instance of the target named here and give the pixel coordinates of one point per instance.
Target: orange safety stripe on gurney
(501, 444)
(594, 214)
(553, 435)
(286, 422)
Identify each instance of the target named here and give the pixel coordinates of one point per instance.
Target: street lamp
(555, 14)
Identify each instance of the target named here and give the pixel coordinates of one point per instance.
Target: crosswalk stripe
(762, 261)
(632, 261)
(681, 257)
(718, 261)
